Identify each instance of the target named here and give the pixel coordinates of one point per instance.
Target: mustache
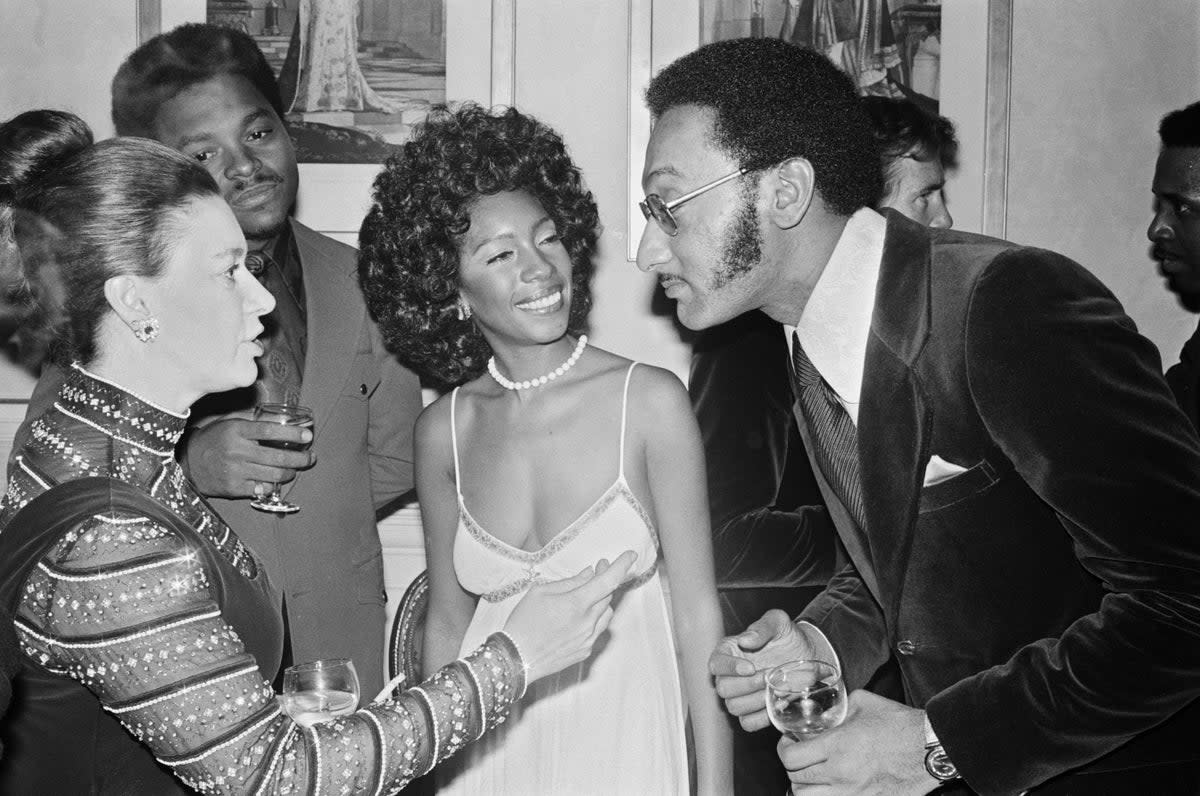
(1160, 252)
(258, 179)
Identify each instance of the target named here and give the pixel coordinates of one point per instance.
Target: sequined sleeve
(125, 607)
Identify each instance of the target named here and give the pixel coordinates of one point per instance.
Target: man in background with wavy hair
(208, 92)
(917, 149)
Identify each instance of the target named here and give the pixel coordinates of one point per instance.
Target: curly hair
(174, 61)
(1181, 128)
(775, 101)
(408, 263)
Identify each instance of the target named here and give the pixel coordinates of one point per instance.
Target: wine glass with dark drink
(286, 415)
(805, 698)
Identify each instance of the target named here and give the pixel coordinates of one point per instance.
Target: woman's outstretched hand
(556, 624)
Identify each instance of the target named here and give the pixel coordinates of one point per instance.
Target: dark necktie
(279, 367)
(832, 430)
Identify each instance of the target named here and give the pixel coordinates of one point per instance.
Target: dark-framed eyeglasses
(654, 207)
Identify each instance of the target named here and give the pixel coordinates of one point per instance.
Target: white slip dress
(613, 724)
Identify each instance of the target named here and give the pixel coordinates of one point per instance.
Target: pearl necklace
(508, 384)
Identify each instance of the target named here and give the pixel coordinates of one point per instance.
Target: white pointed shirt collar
(836, 321)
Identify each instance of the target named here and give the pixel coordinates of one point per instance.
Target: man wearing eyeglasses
(772, 541)
(995, 444)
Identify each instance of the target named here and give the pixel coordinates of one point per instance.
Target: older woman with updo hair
(146, 628)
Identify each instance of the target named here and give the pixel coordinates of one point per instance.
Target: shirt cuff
(822, 649)
(931, 738)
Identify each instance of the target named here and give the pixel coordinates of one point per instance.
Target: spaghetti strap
(454, 440)
(624, 410)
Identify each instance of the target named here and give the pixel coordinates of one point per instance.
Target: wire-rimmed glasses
(654, 207)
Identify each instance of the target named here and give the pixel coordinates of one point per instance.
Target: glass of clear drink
(319, 691)
(805, 698)
(287, 415)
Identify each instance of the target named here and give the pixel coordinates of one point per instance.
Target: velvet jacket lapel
(895, 419)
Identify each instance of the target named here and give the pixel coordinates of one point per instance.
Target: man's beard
(742, 249)
(1189, 299)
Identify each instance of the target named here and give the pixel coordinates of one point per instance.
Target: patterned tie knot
(806, 374)
(257, 262)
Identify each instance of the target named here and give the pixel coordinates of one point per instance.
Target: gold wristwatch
(937, 762)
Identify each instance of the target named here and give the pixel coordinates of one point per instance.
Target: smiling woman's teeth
(545, 301)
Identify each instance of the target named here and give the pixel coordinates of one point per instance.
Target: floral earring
(145, 329)
(464, 309)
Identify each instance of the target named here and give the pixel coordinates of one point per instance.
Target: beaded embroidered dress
(157, 608)
(613, 724)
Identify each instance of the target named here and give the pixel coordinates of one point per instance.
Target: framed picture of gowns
(890, 48)
(355, 75)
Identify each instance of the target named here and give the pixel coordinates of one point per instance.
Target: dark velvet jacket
(771, 535)
(1184, 378)
(773, 544)
(1044, 604)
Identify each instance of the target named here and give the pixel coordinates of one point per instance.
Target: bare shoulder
(647, 382)
(656, 385)
(433, 424)
(432, 432)
(434, 418)
(658, 401)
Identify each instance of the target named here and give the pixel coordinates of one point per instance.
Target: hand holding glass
(805, 698)
(287, 415)
(320, 691)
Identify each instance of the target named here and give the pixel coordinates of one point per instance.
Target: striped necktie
(833, 432)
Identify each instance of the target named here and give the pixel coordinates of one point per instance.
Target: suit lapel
(334, 319)
(895, 420)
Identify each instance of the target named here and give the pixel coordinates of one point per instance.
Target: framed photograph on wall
(355, 75)
(890, 49)
(974, 90)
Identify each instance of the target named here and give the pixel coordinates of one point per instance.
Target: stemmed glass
(287, 415)
(805, 698)
(319, 691)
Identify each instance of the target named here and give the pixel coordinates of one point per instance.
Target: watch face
(938, 764)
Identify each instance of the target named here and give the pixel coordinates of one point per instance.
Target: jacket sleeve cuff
(822, 648)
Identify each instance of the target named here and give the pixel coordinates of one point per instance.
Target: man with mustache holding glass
(1175, 233)
(208, 92)
(1015, 487)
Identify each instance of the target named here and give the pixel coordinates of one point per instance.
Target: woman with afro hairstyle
(547, 455)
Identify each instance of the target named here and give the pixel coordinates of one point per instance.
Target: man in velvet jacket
(1175, 233)
(771, 535)
(772, 541)
(208, 92)
(1025, 540)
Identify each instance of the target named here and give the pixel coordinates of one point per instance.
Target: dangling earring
(464, 309)
(145, 329)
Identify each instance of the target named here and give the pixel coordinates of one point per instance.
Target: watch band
(937, 762)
